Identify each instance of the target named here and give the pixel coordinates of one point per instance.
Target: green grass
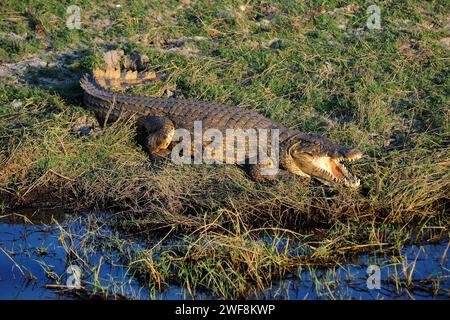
(382, 91)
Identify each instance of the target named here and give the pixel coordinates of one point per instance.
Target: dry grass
(383, 92)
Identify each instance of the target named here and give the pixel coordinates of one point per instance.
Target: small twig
(109, 110)
(51, 285)
(444, 256)
(359, 246)
(15, 263)
(60, 175)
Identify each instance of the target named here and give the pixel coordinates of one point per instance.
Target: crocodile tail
(134, 72)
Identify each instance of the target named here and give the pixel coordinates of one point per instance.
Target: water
(34, 262)
(350, 281)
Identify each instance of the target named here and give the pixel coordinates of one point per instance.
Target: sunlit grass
(384, 92)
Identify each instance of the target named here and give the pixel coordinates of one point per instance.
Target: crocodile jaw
(333, 170)
(324, 168)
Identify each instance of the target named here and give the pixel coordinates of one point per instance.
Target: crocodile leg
(160, 132)
(262, 172)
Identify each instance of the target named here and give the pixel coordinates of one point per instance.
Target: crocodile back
(182, 112)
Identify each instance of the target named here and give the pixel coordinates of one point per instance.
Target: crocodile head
(316, 156)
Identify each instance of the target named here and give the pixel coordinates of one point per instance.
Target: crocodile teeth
(348, 179)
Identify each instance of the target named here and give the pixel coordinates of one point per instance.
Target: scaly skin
(300, 153)
(182, 112)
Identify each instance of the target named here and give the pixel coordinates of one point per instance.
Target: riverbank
(381, 91)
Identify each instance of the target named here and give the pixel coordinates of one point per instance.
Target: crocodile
(302, 154)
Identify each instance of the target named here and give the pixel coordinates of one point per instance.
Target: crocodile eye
(298, 152)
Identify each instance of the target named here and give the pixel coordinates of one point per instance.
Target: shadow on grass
(62, 75)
